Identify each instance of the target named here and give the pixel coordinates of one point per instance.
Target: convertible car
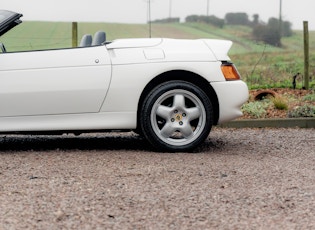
(170, 91)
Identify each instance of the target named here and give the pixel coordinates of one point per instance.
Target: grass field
(260, 65)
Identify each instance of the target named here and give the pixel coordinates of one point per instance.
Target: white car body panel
(54, 81)
(126, 88)
(70, 122)
(98, 88)
(220, 48)
(231, 96)
(168, 50)
(134, 43)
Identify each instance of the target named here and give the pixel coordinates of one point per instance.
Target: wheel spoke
(186, 130)
(193, 113)
(179, 101)
(164, 112)
(167, 130)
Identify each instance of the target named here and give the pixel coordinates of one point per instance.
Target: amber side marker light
(230, 72)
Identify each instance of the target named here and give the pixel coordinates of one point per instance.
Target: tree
(267, 34)
(237, 19)
(255, 19)
(287, 29)
(270, 33)
(213, 20)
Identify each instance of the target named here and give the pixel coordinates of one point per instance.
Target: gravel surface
(238, 179)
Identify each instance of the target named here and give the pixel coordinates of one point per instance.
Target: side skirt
(74, 123)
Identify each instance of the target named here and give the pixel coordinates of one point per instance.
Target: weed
(302, 111)
(279, 103)
(256, 108)
(309, 97)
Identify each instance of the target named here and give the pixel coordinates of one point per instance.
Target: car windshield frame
(8, 20)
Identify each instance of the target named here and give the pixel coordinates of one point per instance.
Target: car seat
(99, 38)
(86, 40)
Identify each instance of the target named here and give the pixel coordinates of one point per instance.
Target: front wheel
(176, 116)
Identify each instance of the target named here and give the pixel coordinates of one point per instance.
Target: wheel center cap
(178, 117)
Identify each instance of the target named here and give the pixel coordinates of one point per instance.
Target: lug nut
(172, 120)
(181, 123)
(176, 111)
(184, 115)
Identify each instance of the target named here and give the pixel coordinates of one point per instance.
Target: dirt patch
(293, 98)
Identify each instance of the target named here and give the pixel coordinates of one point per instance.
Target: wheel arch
(183, 76)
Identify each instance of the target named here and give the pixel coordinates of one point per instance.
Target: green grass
(38, 35)
(261, 66)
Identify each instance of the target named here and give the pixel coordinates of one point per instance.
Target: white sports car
(169, 91)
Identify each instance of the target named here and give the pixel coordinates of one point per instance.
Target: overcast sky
(135, 11)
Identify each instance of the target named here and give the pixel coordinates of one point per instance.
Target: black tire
(176, 116)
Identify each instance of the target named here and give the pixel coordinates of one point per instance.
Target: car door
(50, 82)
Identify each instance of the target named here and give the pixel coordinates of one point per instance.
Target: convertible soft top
(8, 20)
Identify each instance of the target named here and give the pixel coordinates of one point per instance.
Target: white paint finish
(186, 50)
(69, 122)
(220, 48)
(59, 58)
(154, 54)
(54, 81)
(127, 56)
(174, 50)
(134, 43)
(130, 80)
(231, 95)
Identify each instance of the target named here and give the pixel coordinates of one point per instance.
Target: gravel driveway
(238, 179)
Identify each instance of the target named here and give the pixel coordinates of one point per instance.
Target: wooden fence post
(74, 34)
(306, 56)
